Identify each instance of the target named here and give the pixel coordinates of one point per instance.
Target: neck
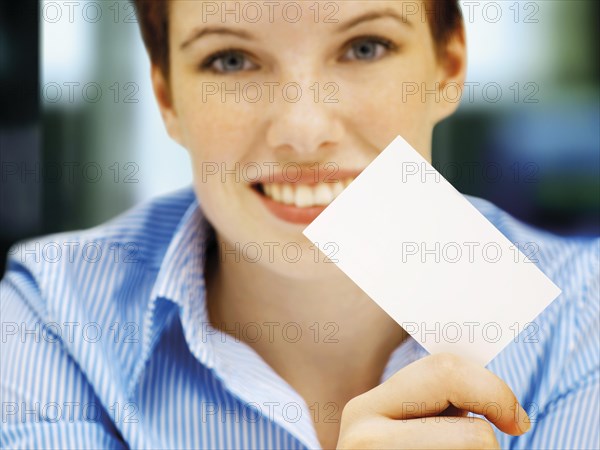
(342, 330)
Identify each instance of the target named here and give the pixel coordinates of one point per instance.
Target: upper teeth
(304, 195)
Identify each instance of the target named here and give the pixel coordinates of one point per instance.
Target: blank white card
(430, 259)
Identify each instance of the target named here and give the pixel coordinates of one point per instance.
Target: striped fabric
(106, 344)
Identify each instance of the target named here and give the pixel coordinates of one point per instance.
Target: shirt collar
(180, 286)
(181, 280)
(180, 283)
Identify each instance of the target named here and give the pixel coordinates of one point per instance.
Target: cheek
(219, 142)
(220, 138)
(384, 108)
(215, 130)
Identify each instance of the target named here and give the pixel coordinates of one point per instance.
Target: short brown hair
(153, 17)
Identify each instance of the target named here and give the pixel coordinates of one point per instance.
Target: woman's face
(287, 94)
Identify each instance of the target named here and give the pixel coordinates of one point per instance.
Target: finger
(453, 411)
(451, 432)
(425, 433)
(430, 385)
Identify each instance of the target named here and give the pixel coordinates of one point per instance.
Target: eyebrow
(375, 15)
(199, 33)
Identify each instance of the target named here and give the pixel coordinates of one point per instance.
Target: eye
(368, 48)
(227, 61)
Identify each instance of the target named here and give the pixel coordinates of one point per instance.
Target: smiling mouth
(302, 195)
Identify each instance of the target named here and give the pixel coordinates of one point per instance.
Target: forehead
(293, 18)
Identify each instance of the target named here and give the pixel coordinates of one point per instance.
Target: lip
(292, 213)
(308, 175)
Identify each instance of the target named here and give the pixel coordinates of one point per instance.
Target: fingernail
(522, 419)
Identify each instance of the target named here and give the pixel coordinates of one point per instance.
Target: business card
(419, 249)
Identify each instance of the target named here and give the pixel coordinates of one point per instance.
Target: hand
(404, 411)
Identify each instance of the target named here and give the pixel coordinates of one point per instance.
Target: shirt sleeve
(570, 422)
(47, 402)
(571, 417)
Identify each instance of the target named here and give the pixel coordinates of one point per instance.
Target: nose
(304, 120)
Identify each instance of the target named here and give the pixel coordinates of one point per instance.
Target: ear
(164, 98)
(452, 69)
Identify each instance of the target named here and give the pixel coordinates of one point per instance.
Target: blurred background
(82, 140)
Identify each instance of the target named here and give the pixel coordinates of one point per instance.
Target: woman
(205, 319)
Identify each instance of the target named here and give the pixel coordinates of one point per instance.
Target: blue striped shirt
(106, 343)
